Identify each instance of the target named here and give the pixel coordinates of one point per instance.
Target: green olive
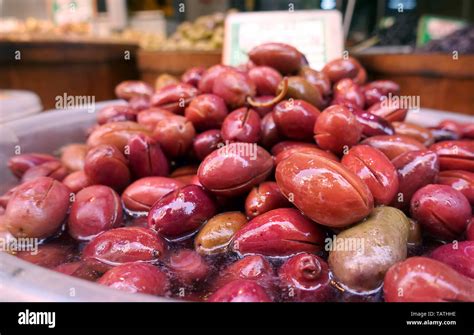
(215, 235)
(360, 256)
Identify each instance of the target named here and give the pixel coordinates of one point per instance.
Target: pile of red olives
(270, 181)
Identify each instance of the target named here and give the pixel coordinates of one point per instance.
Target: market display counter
(441, 81)
(56, 68)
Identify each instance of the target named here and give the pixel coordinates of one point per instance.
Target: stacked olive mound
(205, 33)
(265, 182)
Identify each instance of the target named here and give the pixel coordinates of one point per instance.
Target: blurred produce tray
(153, 63)
(441, 82)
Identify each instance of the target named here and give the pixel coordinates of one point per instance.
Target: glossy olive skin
(295, 119)
(242, 125)
(209, 76)
(19, 164)
(95, 209)
(206, 142)
(305, 278)
(347, 90)
(470, 230)
(146, 158)
(181, 212)
(37, 208)
(394, 145)
(337, 129)
(301, 89)
(377, 89)
(279, 232)
(283, 146)
(375, 170)
(421, 279)
(233, 169)
(389, 109)
(125, 245)
(193, 75)
(115, 133)
(266, 79)
(73, 156)
(143, 193)
(215, 235)
(251, 267)
(136, 278)
(318, 79)
(442, 211)
(282, 57)
(53, 169)
(324, 190)
(455, 155)
(458, 255)
(234, 87)
(188, 266)
(418, 133)
(206, 111)
(305, 148)
(139, 103)
(174, 97)
(415, 169)
(269, 131)
(383, 242)
(372, 125)
(48, 255)
(115, 113)
(106, 165)
(240, 291)
(76, 181)
(341, 68)
(263, 198)
(148, 118)
(132, 88)
(175, 135)
(462, 181)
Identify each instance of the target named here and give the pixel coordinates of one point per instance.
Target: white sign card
(316, 33)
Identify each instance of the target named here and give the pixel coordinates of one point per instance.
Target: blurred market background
(51, 47)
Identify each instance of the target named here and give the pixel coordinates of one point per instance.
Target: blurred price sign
(318, 34)
(72, 11)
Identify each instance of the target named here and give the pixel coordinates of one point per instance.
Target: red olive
(174, 97)
(188, 266)
(125, 245)
(347, 90)
(116, 113)
(442, 211)
(462, 181)
(266, 79)
(19, 164)
(235, 168)
(136, 278)
(193, 75)
(53, 169)
(234, 87)
(240, 291)
(181, 212)
(209, 76)
(305, 278)
(242, 125)
(37, 208)
(421, 279)
(48, 255)
(106, 165)
(295, 119)
(148, 118)
(143, 193)
(269, 131)
(175, 135)
(338, 69)
(458, 255)
(318, 79)
(375, 170)
(279, 232)
(390, 109)
(96, 209)
(264, 198)
(207, 142)
(133, 88)
(455, 155)
(394, 145)
(415, 169)
(337, 129)
(324, 190)
(76, 181)
(206, 111)
(282, 57)
(146, 158)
